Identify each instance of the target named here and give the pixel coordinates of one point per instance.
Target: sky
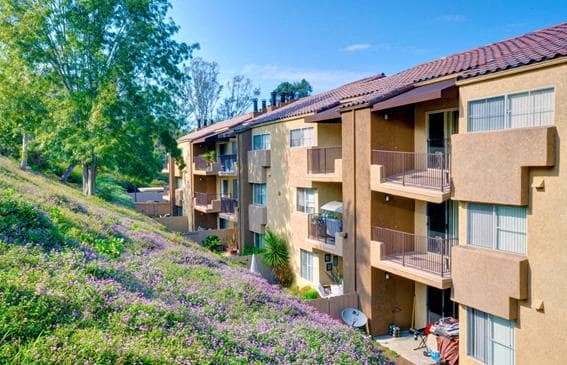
(330, 43)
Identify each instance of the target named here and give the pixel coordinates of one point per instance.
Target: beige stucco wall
(539, 334)
(288, 172)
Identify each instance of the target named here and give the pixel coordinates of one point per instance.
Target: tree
(240, 95)
(113, 66)
(295, 90)
(200, 90)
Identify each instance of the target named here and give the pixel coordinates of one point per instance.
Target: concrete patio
(404, 346)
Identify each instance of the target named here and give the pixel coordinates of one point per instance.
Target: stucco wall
(539, 334)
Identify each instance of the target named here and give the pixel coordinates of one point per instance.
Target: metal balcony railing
(227, 164)
(228, 204)
(321, 160)
(204, 199)
(431, 254)
(424, 170)
(323, 229)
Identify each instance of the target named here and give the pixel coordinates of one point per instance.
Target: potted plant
(210, 157)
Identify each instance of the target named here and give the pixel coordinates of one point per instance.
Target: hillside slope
(84, 281)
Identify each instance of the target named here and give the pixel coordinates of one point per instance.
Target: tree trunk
(89, 177)
(24, 157)
(67, 172)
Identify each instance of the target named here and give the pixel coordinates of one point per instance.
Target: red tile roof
(216, 128)
(537, 46)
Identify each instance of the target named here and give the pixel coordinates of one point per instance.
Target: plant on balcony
(277, 256)
(213, 243)
(210, 157)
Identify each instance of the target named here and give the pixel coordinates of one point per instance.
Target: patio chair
(419, 335)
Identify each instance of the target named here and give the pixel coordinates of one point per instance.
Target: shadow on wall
(263, 268)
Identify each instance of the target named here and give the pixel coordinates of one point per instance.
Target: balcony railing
(228, 205)
(431, 254)
(204, 199)
(227, 164)
(424, 170)
(203, 164)
(321, 160)
(323, 229)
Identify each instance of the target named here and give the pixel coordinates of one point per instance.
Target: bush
(305, 293)
(110, 190)
(250, 250)
(111, 246)
(277, 256)
(213, 243)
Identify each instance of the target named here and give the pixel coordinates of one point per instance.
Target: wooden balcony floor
(430, 262)
(422, 179)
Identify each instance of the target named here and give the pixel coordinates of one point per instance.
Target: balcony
(490, 280)
(414, 175)
(257, 218)
(419, 258)
(324, 164)
(204, 166)
(325, 233)
(258, 160)
(494, 167)
(206, 203)
(229, 208)
(228, 165)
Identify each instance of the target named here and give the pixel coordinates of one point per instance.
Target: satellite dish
(353, 317)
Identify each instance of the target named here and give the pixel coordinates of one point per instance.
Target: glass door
(440, 305)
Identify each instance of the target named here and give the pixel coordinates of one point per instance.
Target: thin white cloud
(356, 47)
(320, 79)
(451, 18)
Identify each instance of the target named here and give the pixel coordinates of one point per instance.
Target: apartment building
(206, 191)
(433, 192)
(455, 201)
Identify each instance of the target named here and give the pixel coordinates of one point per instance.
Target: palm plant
(277, 256)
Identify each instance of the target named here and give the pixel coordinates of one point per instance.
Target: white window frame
(266, 144)
(302, 141)
(507, 111)
(489, 339)
(264, 195)
(307, 265)
(496, 228)
(306, 200)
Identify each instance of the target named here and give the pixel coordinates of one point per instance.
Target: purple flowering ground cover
(83, 281)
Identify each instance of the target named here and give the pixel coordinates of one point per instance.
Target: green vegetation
(86, 281)
(213, 243)
(277, 256)
(305, 293)
(251, 249)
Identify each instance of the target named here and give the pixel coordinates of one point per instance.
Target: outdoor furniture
(419, 335)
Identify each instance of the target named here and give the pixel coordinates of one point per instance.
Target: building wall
(539, 334)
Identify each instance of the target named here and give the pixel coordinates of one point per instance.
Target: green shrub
(305, 293)
(111, 246)
(21, 222)
(110, 190)
(277, 256)
(212, 243)
(250, 249)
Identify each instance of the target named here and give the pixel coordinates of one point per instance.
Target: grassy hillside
(84, 281)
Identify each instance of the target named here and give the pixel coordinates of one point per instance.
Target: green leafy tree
(295, 90)
(114, 67)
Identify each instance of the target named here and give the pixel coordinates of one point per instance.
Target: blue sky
(333, 42)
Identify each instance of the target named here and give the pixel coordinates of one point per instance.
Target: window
(259, 194)
(224, 188)
(261, 142)
(302, 137)
(490, 339)
(235, 189)
(259, 240)
(499, 227)
(223, 223)
(307, 263)
(306, 200)
(527, 109)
